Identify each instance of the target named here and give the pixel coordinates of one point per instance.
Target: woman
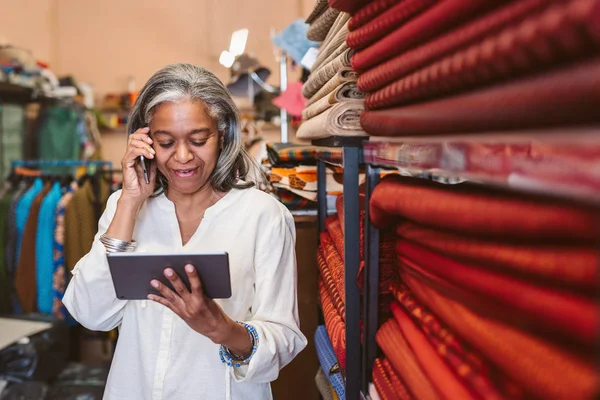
(182, 345)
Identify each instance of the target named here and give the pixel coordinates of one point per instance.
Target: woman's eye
(166, 145)
(199, 144)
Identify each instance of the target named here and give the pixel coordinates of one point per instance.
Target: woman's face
(187, 144)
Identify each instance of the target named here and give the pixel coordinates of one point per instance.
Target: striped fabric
(330, 284)
(329, 362)
(290, 153)
(318, 30)
(334, 324)
(388, 384)
(369, 12)
(320, 7)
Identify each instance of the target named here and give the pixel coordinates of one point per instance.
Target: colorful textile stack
(433, 67)
(498, 295)
(334, 104)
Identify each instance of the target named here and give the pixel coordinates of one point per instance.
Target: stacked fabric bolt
(434, 67)
(334, 104)
(498, 295)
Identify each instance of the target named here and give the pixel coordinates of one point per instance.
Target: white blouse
(158, 356)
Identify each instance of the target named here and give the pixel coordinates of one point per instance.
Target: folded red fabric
(542, 369)
(399, 386)
(568, 96)
(570, 266)
(472, 210)
(388, 384)
(561, 34)
(439, 18)
(370, 11)
(386, 23)
(395, 347)
(549, 310)
(334, 261)
(461, 37)
(336, 297)
(349, 6)
(334, 324)
(438, 372)
(482, 378)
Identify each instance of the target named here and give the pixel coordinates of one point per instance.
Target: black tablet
(132, 273)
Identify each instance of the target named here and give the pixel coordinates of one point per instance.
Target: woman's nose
(183, 153)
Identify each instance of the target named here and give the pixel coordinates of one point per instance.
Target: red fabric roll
(386, 73)
(445, 15)
(399, 386)
(388, 384)
(370, 11)
(568, 96)
(485, 381)
(472, 210)
(558, 35)
(566, 266)
(386, 23)
(568, 314)
(439, 373)
(334, 262)
(336, 297)
(349, 6)
(334, 324)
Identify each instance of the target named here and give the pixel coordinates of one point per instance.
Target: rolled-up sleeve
(275, 306)
(90, 296)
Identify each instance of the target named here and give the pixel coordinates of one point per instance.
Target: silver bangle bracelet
(116, 245)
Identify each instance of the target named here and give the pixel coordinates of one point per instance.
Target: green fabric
(5, 305)
(13, 131)
(58, 137)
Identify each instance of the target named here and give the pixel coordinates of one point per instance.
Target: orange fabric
(334, 262)
(469, 209)
(334, 324)
(483, 379)
(400, 355)
(397, 384)
(541, 368)
(336, 296)
(565, 313)
(388, 385)
(439, 373)
(565, 265)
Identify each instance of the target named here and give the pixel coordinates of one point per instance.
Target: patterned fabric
(575, 265)
(290, 153)
(342, 76)
(328, 361)
(330, 284)
(389, 386)
(541, 368)
(305, 178)
(399, 386)
(293, 201)
(334, 323)
(386, 23)
(334, 44)
(334, 262)
(484, 212)
(320, 77)
(60, 276)
(370, 11)
(343, 119)
(463, 36)
(437, 19)
(346, 91)
(398, 352)
(555, 311)
(564, 96)
(474, 66)
(320, 27)
(320, 7)
(483, 379)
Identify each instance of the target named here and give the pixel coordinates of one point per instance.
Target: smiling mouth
(184, 173)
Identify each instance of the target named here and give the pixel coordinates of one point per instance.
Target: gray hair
(185, 81)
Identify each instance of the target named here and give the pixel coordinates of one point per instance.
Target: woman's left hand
(201, 313)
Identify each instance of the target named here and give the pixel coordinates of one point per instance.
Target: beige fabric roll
(319, 78)
(343, 75)
(343, 119)
(344, 92)
(320, 7)
(341, 19)
(319, 29)
(334, 48)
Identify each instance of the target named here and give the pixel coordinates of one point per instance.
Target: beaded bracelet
(233, 360)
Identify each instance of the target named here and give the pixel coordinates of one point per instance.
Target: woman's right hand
(135, 189)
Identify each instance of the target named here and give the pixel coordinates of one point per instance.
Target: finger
(166, 292)
(133, 156)
(161, 300)
(137, 145)
(141, 134)
(195, 283)
(177, 283)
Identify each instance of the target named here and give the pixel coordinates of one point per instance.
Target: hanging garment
(5, 304)
(60, 274)
(59, 137)
(13, 130)
(22, 214)
(25, 276)
(44, 248)
(10, 246)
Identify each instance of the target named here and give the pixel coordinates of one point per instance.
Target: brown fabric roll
(387, 72)
(319, 78)
(560, 34)
(320, 7)
(343, 119)
(542, 369)
(319, 29)
(346, 91)
(568, 96)
(369, 12)
(342, 76)
(25, 276)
